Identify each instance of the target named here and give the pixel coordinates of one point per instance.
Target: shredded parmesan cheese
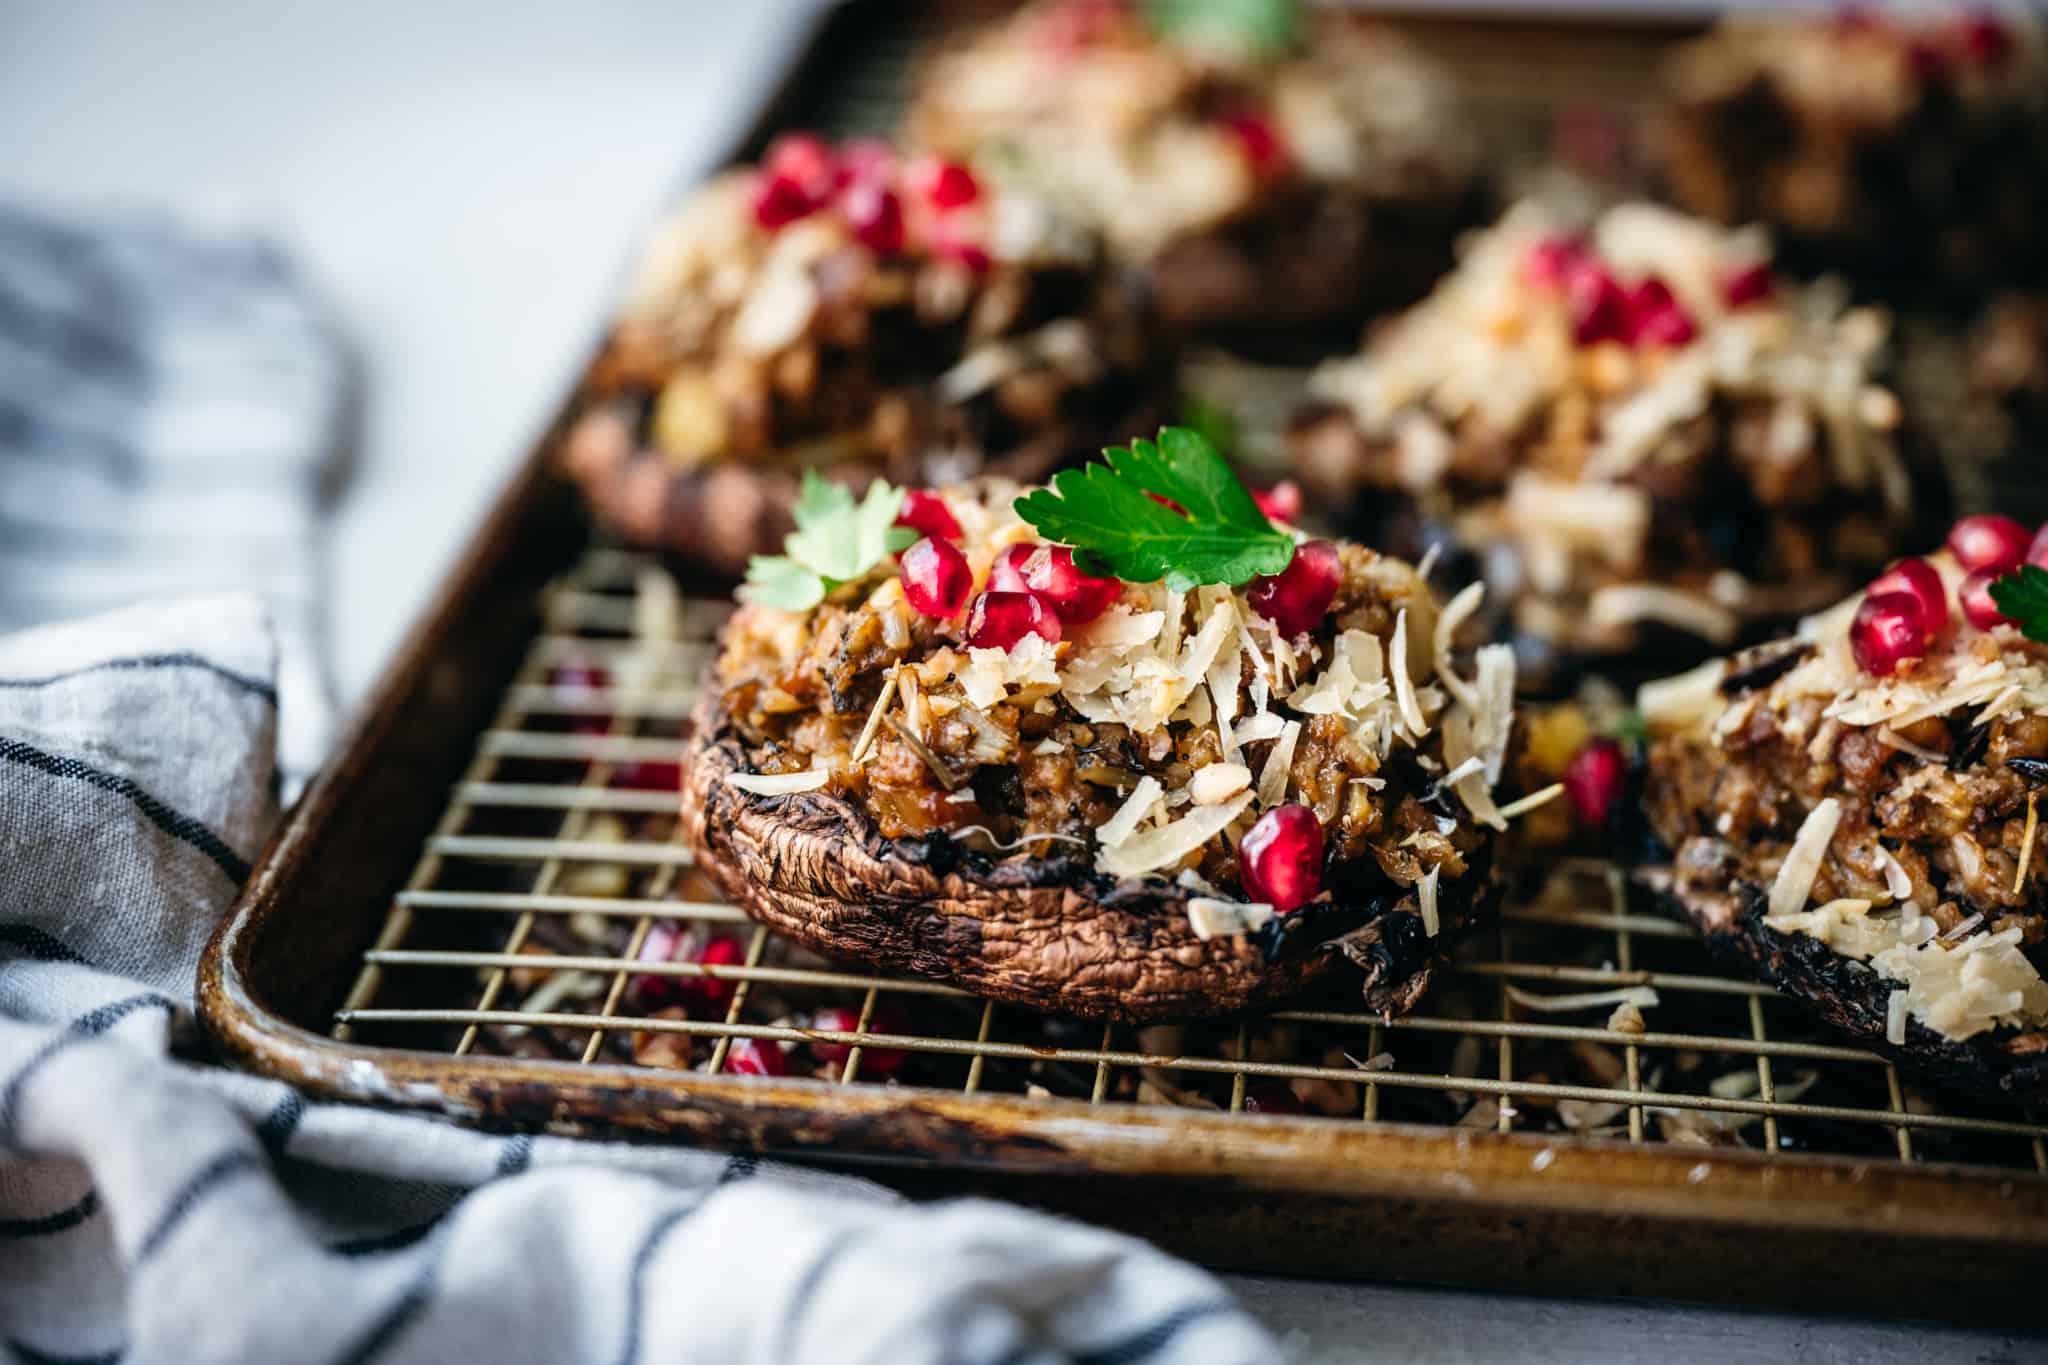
(2019, 878)
(1273, 778)
(1530, 802)
(780, 784)
(1168, 844)
(1425, 897)
(1404, 686)
(1895, 1018)
(1131, 814)
(1794, 884)
(1642, 997)
(1211, 917)
(1218, 782)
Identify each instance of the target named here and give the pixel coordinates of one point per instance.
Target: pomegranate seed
(579, 677)
(1595, 779)
(1988, 42)
(806, 161)
(779, 201)
(709, 993)
(1259, 142)
(755, 1057)
(944, 184)
(1295, 599)
(1921, 581)
(973, 255)
(1974, 596)
(1280, 858)
(1751, 285)
(1048, 573)
(1887, 632)
(642, 776)
(1281, 502)
(1000, 619)
(936, 577)
(1655, 318)
(1006, 574)
(1927, 61)
(865, 161)
(875, 216)
(1595, 303)
(1552, 260)
(1988, 542)
(926, 513)
(578, 682)
(2037, 553)
(1272, 1097)
(878, 1061)
(651, 992)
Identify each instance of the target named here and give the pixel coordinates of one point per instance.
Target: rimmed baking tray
(451, 921)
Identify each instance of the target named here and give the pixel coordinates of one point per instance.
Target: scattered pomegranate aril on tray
(1595, 779)
(755, 1057)
(874, 1061)
(2037, 553)
(648, 775)
(1280, 858)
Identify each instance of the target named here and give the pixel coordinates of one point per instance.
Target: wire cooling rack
(553, 913)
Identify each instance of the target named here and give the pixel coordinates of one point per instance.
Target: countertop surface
(464, 182)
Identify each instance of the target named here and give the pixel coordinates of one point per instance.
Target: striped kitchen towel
(172, 409)
(155, 1208)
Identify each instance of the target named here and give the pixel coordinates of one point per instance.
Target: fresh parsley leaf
(779, 581)
(836, 540)
(1261, 27)
(1112, 517)
(2022, 596)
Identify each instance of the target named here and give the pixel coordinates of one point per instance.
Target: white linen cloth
(156, 1208)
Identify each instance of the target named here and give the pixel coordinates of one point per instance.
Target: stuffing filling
(1149, 738)
(1632, 424)
(1091, 102)
(846, 304)
(1892, 818)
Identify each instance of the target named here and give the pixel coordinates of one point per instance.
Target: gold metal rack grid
(553, 913)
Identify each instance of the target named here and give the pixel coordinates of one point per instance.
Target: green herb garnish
(2022, 598)
(836, 541)
(1260, 27)
(1112, 517)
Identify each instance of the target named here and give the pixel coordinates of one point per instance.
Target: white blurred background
(461, 181)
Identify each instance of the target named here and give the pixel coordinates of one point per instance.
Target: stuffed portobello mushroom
(1853, 813)
(1263, 165)
(1909, 148)
(1647, 444)
(1120, 748)
(860, 313)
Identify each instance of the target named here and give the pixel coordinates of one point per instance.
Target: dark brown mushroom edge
(847, 310)
(1649, 447)
(1912, 150)
(1058, 824)
(1866, 844)
(1261, 179)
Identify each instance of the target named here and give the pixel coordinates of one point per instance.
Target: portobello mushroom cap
(1048, 932)
(1705, 885)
